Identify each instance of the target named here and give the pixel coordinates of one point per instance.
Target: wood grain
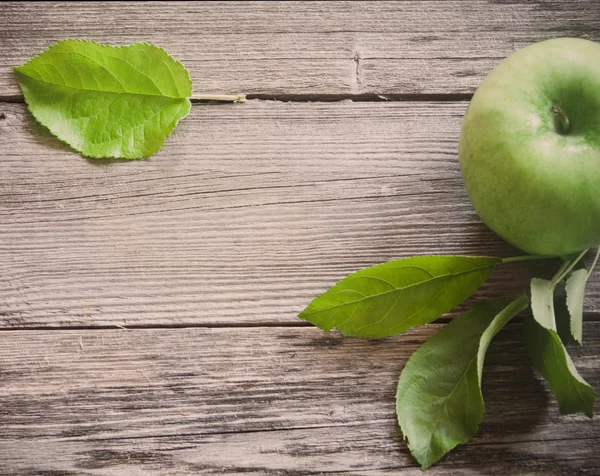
(246, 214)
(265, 401)
(279, 49)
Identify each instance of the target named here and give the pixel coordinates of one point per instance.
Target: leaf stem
(514, 259)
(219, 98)
(594, 263)
(566, 268)
(559, 272)
(514, 308)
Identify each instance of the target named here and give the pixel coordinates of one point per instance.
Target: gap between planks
(588, 317)
(292, 97)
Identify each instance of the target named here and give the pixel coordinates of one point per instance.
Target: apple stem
(561, 121)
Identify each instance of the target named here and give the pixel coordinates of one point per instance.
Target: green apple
(530, 147)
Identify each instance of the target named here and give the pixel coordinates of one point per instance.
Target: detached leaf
(551, 359)
(575, 293)
(392, 297)
(439, 403)
(105, 101)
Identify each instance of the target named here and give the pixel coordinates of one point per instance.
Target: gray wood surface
(280, 49)
(148, 309)
(246, 214)
(262, 400)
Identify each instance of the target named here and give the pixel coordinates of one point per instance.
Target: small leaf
(575, 293)
(550, 358)
(392, 297)
(439, 403)
(542, 302)
(105, 101)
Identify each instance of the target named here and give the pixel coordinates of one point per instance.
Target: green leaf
(439, 403)
(105, 101)
(542, 302)
(390, 298)
(575, 292)
(550, 358)
(549, 302)
(549, 355)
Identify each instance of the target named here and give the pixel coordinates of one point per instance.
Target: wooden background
(148, 309)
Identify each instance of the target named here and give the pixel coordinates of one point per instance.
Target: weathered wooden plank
(262, 400)
(244, 216)
(307, 48)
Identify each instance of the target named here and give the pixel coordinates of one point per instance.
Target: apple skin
(536, 186)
